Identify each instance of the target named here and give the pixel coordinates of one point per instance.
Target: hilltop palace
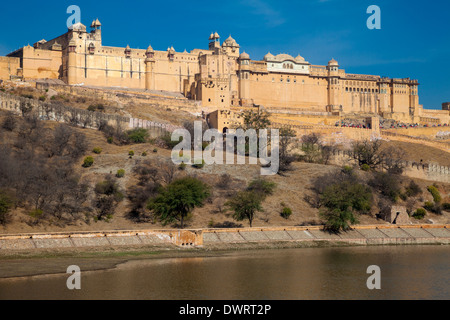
(221, 77)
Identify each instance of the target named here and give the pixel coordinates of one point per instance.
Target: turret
(231, 47)
(149, 63)
(333, 68)
(127, 51)
(333, 86)
(71, 62)
(214, 41)
(96, 31)
(244, 77)
(171, 53)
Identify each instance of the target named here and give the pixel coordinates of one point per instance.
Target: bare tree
(287, 136)
(10, 122)
(369, 153)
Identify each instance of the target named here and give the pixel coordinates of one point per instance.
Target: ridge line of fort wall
(361, 235)
(426, 171)
(78, 117)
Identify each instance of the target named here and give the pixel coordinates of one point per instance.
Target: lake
(407, 272)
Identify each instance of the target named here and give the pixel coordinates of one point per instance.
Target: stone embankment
(359, 235)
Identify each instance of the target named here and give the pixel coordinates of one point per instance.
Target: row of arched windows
(367, 90)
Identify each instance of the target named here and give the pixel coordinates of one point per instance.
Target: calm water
(407, 272)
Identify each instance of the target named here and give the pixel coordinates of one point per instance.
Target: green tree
(341, 201)
(262, 187)
(435, 193)
(138, 135)
(176, 201)
(245, 204)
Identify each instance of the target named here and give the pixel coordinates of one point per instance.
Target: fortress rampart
(78, 117)
(425, 171)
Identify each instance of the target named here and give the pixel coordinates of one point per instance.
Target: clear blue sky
(414, 40)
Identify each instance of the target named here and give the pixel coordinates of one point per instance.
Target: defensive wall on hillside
(83, 118)
(425, 171)
(112, 94)
(359, 235)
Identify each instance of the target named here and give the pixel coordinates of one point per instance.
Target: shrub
(182, 166)
(446, 206)
(97, 150)
(205, 144)
(428, 205)
(166, 139)
(435, 193)
(224, 181)
(88, 161)
(110, 140)
(95, 107)
(419, 213)
(131, 153)
(109, 187)
(37, 213)
(433, 207)
(10, 122)
(144, 154)
(365, 167)
(138, 135)
(347, 169)
(199, 165)
(262, 187)
(286, 212)
(42, 98)
(155, 150)
(413, 189)
(387, 184)
(120, 173)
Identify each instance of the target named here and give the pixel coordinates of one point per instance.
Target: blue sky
(414, 40)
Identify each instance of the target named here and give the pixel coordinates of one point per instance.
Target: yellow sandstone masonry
(222, 78)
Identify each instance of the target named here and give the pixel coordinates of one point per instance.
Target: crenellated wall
(79, 117)
(425, 171)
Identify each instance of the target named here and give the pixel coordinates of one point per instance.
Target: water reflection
(408, 272)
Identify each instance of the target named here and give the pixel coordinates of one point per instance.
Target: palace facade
(221, 76)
